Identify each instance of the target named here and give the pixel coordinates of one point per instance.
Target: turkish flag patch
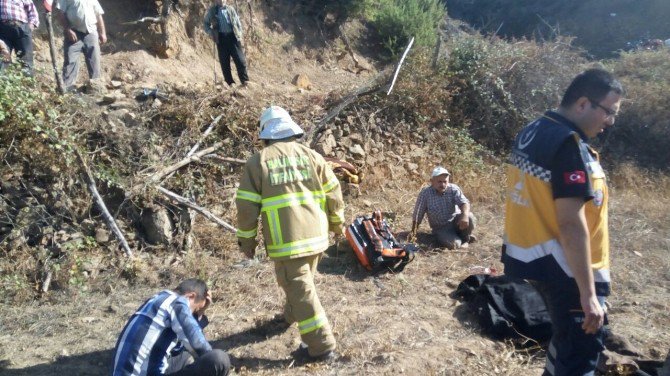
(574, 177)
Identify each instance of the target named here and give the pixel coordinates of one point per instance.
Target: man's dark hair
(198, 286)
(593, 84)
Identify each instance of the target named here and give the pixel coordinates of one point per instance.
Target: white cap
(276, 124)
(439, 170)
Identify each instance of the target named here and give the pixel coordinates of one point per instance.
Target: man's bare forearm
(574, 238)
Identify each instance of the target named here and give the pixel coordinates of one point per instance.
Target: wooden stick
(197, 144)
(377, 85)
(204, 135)
(436, 52)
(397, 69)
(206, 213)
(348, 47)
(157, 176)
(219, 158)
(52, 48)
(111, 223)
(143, 20)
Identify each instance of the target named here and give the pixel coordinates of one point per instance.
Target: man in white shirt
(84, 30)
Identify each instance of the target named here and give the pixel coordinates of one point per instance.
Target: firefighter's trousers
(296, 278)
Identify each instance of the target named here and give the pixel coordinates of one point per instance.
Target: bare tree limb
(157, 176)
(204, 135)
(219, 158)
(197, 144)
(206, 213)
(347, 44)
(370, 88)
(144, 20)
(111, 223)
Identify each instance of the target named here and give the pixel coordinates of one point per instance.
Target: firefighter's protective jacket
(298, 196)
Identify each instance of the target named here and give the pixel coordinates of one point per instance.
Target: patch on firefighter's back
(287, 175)
(288, 169)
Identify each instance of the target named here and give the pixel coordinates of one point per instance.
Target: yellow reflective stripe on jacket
(246, 234)
(312, 324)
(291, 199)
(275, 227)
(249, 196)
(334, 218)
(301, 246)
(330, 185)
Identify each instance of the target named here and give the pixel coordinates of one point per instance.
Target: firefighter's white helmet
(277, 124)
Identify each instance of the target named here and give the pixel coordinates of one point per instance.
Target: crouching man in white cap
(448, 210)
(299, 199)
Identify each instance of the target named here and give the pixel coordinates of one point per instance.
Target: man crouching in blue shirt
(154, 339)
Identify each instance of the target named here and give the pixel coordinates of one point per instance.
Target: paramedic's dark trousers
(571, 351)
(229, 47)
(214, 363)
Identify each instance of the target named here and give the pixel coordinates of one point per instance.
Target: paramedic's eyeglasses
(609, 112)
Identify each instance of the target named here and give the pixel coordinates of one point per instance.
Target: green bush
(497, 87)
(397, 21)
(642, 130)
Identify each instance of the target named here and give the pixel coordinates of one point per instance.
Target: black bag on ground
(506, 307)
(375, 246)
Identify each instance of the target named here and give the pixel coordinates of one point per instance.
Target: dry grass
(383, 324)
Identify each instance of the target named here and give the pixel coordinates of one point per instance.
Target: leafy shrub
(642, 130)
(399, 20)
(497, 87)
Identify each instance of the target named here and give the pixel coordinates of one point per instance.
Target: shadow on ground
(99, 362)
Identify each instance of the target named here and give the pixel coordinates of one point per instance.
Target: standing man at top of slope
(299, 199)
(223, 25)
(85, 31)
(556, 219)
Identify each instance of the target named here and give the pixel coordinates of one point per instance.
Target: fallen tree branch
(157, 176)
(347, 45)
(144, 20)
(204, 135)
(111, 223)
(377, 85)
(197, 144)
(206, 213)
(219, 158)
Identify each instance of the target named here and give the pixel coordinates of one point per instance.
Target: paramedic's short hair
(593, 84)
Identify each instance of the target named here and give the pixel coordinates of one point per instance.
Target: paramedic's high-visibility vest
(297, 195)
(531, 241)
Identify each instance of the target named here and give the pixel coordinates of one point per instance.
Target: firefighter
(299, 199)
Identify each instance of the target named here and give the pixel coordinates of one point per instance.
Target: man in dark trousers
(556, 232)
(223, 24)
(18, 19)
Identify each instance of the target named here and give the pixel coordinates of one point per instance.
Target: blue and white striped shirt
(155, 329)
